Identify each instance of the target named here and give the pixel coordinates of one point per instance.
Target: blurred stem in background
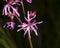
(23, 8)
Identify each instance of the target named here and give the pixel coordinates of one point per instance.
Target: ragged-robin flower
(29, 25)
(29, 1)
(9, 25)
(9, 9)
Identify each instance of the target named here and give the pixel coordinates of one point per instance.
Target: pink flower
(9, 25)
(27, 27)
(29, 1)
(9, 9)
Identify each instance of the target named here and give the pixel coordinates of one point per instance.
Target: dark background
(49, 31)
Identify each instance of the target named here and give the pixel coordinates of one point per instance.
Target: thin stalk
(19, 20)
(23, 8)
(30, 42)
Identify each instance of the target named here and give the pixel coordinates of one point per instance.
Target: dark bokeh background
(49, 31)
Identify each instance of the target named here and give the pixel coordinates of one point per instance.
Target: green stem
(19, 20)
(23, 8)
(30, 43)
(23, 11)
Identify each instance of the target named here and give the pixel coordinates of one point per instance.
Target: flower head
(29, 1)
(9, 25)
(27, 27)
(10, 10)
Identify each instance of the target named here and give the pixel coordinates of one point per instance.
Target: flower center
(29, 23)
